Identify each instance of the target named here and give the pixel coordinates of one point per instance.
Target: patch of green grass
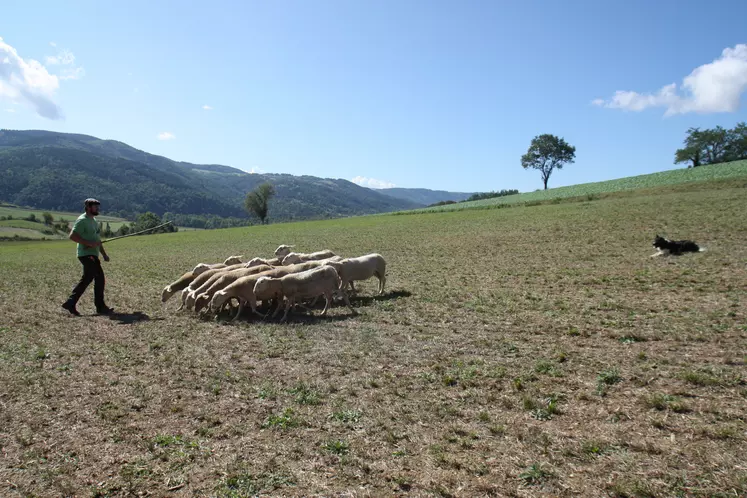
(725, 171)
(165, 440)
(661, 401)
(347, 416)
(246, 485)
(337, 447)
(285, 420)
(267, 391)
(535, 474)
(593, 447)
(700, 378)
(548, 368)
(306, 394)
(606, 378)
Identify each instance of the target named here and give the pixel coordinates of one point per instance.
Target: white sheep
(296, 257)
(262, 261)
(283, 251)
(242, 272)
(243, 288)
(203, 267)
(174, 287)
(305, 285)
(362, 268)
(220, 281)
(202, 278)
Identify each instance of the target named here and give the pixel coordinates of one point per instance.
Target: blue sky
(434, 94)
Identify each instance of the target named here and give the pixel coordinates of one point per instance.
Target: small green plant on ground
(337, 447)
(285, 420)
(535, 474)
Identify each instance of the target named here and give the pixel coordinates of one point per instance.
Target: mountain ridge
(56, 170)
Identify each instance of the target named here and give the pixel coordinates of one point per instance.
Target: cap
(90, 202)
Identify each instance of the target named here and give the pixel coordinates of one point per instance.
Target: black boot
(104, 310)
(70, 306)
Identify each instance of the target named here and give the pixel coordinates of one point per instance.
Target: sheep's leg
(382, 282)
(327, 300)
(347, 302)
(352, 288)
(288, 304)
(277, 310)
(241, 308)
(183, 299)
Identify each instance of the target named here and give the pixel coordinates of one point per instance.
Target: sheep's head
(191, 297)
(201, 301)
(201, 268)
(219, 298)
(233, 260)
(166, 294)
(283, 250)
(291, 259)
(254, 262)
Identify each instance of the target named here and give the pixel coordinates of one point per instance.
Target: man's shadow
(130, 318)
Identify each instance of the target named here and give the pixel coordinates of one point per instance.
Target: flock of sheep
(291, 278)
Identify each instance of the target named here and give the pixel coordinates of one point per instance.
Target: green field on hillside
(533, 351)
(20, 213)
(725, 171)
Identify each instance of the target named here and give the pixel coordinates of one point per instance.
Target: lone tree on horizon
(546, 153)
(257, 202)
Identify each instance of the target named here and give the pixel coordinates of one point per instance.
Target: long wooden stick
(136, 233)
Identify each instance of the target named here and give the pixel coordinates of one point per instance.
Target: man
(86, 233)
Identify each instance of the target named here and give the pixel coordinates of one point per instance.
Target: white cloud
(65, 57)
(27, 80)
(714, 87)
(52, 44)
(73, 73)
(10, 110)
(166, 135)
(372, 182)
(207, 108)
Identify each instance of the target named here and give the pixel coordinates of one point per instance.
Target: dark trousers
(92, 272)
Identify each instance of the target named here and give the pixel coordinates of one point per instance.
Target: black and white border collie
(665, 247)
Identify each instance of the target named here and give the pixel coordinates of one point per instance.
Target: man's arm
(75, 237)
(103, 252)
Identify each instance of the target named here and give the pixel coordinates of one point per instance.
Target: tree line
(713, 146)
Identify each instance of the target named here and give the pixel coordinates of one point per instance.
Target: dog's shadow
(130, 318)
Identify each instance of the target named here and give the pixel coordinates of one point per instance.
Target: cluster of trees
(479, 196)
(490, 195)
(713, 146)
(207, 222)
(145, 221)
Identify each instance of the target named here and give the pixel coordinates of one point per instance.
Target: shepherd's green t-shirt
(87, 228)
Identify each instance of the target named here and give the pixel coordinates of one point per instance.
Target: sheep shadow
(307, 314)
(369, 300)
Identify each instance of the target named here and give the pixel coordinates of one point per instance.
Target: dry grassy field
(527, 351)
